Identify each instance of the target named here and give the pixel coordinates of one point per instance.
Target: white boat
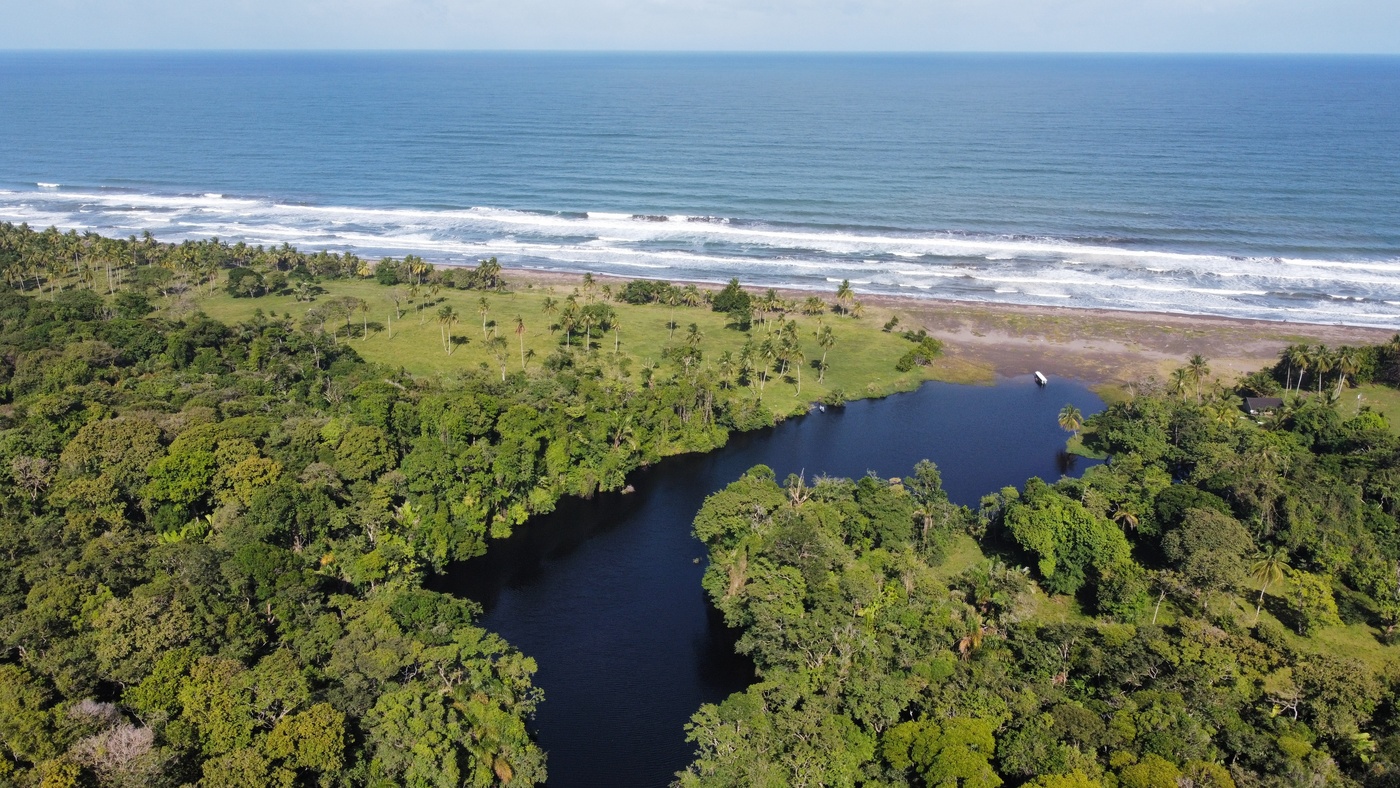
(1040, 380)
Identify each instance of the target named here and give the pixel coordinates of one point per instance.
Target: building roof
(1261, 404)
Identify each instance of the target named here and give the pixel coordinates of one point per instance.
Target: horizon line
(715, 52)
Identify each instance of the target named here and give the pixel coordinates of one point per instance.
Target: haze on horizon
(1167, 26)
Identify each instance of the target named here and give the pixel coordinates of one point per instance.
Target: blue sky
(1343, 26)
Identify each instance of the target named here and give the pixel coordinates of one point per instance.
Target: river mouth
(605, 593)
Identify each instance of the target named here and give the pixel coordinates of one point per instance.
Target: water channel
(605, 593)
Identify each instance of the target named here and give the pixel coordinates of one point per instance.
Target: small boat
(1040, 380)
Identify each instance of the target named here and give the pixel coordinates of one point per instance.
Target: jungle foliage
(213, 538)
(1211, 567)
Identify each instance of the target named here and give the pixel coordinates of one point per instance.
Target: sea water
(1264, 187)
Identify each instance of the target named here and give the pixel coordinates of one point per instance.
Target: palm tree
(550, 307)
(1071, 420)
(1125, 518)
(617, 333)
(1270, 566)
(826, 340)
(447, 316)
(1348, 362)
(1286, 358)
(588, 319)
(568, 320)
(813, 306)
(726, 367)
(1323, 362)
(483, 308)
(1297, 356)
(975, 633)
(1198, 370)
(364, 318)
(498, 347)
(767, 352)
(1179, 379)
(844, 294)
(694, 336)
(857, 309)
(520, 333)
(673, 299)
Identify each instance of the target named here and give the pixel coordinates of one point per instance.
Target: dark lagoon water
(1237, 186)
(606, 595)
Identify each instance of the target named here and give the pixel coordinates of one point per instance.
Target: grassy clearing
(862, 362)
(963, 554)
(1075, 445)
(1383, 400)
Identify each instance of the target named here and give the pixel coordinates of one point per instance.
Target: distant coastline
(1098, 346)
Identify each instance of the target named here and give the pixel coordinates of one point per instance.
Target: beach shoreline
(1103, 347)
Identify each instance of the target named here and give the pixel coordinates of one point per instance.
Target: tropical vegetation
(1217, 605)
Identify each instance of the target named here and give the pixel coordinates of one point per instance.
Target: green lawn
(1382, 399)
(862, 362)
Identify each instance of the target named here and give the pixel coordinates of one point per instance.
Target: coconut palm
(1125, 518)
(1348, 362)
(1297, 356)
(1071, 420)
(813, 306)
(568, 320)
(693, 335)
(1198, 369)
(1180, 382)
(1323, 361)
(447, 316)
(1270, 566)
(483, 308)
(673, 300)
(726, 367)
(826, 340)
(767, 353)
(500, 350)
(520, 334)
(844, 294)
(588, 319)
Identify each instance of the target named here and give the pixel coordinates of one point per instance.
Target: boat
(1040, 380)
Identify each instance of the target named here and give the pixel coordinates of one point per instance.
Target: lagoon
(605, 593)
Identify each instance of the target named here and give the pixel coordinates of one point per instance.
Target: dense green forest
(1214, 561)
(213, 536)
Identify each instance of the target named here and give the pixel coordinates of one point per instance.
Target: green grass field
(862, 362)
(1382, 399)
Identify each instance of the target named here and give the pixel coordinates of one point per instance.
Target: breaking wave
(1008, 269)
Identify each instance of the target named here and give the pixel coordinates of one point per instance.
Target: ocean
(1241, 186)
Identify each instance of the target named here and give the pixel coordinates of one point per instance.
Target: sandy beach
(1094, 345)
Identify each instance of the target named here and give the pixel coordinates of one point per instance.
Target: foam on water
(995, 268)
